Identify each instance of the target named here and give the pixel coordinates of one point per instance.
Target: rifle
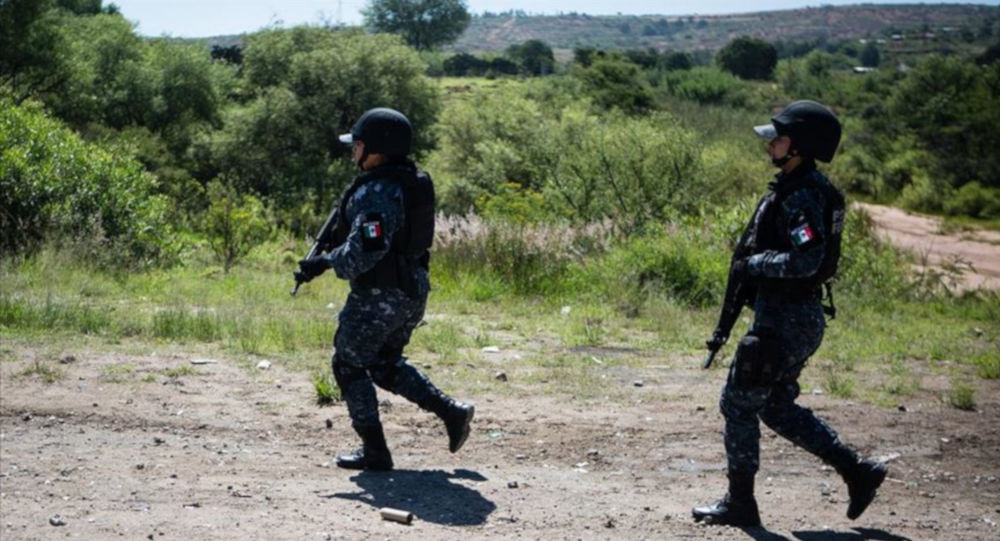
(739, 292)
(321, 244)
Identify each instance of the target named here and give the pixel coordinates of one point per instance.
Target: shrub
(703, 85)
(234, 223)
(56, 187)
(976, 200)
(748, 58)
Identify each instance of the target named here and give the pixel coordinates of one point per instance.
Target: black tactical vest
(767, 236)
(411, 243)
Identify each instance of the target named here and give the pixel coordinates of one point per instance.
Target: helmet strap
(361, 160)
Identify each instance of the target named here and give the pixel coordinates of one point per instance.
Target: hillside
(495, 32)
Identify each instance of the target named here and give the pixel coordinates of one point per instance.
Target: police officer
(794, 241)
(385, 226)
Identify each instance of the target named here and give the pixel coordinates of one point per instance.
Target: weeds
(48, 374)
(962, 396)
(326, 392)
(180, 371)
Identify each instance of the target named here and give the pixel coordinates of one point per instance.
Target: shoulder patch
(372, 234)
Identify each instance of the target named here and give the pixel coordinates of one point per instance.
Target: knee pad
(758, 362)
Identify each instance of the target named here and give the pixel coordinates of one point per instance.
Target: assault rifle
(321, 244)
(739, 292)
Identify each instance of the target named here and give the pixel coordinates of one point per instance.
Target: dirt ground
(229, 451)
(238, 452)
(976, 254)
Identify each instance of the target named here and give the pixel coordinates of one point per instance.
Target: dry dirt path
(976, 253)
(238, 453)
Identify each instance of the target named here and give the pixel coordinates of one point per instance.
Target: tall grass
(658, 290)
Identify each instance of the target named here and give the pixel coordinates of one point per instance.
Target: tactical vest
(410, 245)
(767, 235)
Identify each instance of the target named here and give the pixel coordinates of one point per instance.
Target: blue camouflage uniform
(375, 323)
(788, 324)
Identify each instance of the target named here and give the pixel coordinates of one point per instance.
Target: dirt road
(976, 254)
(226, 451)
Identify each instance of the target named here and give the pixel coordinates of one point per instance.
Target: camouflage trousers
(792, 332)
(374, 327)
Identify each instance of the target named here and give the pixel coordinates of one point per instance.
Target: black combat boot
(737, 508)
(457, 417)
(373, 454)
(863, 477)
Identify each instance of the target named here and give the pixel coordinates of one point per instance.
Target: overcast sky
(201, 18)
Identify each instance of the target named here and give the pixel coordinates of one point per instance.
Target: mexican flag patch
(802, 235)
(372, 229)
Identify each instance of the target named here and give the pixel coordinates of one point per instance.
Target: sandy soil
(977, 253)
(234, 452)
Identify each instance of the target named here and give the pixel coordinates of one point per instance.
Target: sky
(203, 18)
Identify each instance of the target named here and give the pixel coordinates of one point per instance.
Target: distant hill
(495, 32)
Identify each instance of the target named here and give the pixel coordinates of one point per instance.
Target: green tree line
(158, 145)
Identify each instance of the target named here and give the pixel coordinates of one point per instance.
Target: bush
(55, 187)
(976, 200)
(703, 85)
(748, 58)
(614, 83)
(234, 223)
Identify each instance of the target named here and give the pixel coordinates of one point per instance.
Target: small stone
(264, 365)
(202, 361)
(609, 523)
(512, 484)
(593, 452)
(817, 391)
(57, 521)
(26, 417)
(491, 349)
(565, 310)
(500, 376)
(329, 423)
(902, 408)
(69, 359)
(638, 383)
(159, 441)
(700, 408)
(385, 405)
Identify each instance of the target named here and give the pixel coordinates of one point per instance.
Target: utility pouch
(758, 362)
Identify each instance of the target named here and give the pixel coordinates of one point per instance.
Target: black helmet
(813, 129)
(383, 131)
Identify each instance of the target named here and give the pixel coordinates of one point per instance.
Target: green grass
(872, 351)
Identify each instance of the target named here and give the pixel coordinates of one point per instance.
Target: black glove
(312, 267)
(715, 342)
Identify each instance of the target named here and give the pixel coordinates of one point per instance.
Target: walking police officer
(794, 245)
(384, 229)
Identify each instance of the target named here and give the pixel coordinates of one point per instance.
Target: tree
(534, 56)
(748, 58)
(33, 57)
(282, 144)
(870, 55)
(616, 83)
(424, 24)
